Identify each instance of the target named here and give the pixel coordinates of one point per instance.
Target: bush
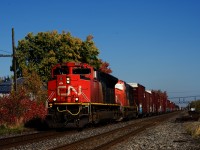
(17, 108)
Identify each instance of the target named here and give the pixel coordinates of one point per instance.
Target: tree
(1, 79)
(17, 108)
(104, 67)
(195, 104)
(27, 103)
(38, 53)
(34, 87)
(4, 79)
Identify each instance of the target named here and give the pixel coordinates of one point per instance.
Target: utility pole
(14, 60)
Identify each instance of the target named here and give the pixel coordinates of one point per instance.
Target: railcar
(149, 102)
(139, 96)
(124, 96)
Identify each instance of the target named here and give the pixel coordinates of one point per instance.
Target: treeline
(4, 79)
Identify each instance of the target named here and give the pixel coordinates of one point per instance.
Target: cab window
(61, 70)
(81, 71)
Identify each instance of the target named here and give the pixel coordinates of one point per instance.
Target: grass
(193, 128)
(4, 130)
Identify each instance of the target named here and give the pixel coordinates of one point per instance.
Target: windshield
(61, 70)
(81, 71)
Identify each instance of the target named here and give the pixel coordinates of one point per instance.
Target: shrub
(17, 108)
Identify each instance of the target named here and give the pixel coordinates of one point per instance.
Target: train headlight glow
(76, 99)
(54, 99)
(68, 80)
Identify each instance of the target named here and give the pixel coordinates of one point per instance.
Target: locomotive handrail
(73, 114)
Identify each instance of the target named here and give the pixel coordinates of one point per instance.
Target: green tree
(38, 53)
(195, 104)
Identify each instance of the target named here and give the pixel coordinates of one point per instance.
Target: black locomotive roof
(108, 79)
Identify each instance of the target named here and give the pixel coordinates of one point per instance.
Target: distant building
(6, 87)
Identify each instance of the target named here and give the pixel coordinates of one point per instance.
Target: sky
(152, 42)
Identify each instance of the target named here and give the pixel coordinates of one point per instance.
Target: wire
(185, 97)
(5, 51)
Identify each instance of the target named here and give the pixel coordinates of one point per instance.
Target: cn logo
(69, 90)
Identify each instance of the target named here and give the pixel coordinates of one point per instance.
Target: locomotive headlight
(76, 99)
(54, 99)
(68, 80)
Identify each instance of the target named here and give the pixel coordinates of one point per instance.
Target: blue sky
(152, 42)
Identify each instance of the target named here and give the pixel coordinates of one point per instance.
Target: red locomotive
(79, 94)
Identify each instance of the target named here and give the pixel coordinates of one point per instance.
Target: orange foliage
(104, 67)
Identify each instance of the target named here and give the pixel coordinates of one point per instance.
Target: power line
(186, 91)
(185, 97)
(4, 55)
(5, 51)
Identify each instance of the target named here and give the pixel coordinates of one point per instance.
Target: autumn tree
(34, 87)
(104, 67)
(17, 108)
(38, 53)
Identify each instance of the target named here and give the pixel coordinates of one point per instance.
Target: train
(79, 94)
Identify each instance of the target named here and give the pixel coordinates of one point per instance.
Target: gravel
(167, 136)
(170, 135)
(51, 143)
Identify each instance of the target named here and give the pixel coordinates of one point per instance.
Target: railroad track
(15, 141)
(101, 141)
(106, 140)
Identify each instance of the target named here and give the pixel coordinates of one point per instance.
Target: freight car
(78, 94)
(139, 96)
(149, 102)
